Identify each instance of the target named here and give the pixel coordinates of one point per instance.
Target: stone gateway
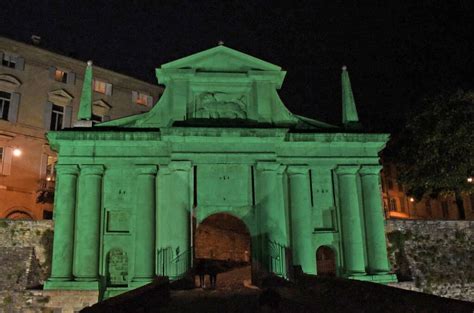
(131, 191)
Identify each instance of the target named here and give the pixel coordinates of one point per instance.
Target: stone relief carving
(221, 105)
(117, 264)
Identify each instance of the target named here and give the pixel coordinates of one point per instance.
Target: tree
(434, 154)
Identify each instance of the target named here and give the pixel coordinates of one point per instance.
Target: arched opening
(222, 243)
(325, 261)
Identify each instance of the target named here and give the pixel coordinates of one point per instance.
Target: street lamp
(17, 152)
(469, 179)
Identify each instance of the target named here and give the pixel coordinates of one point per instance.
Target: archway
(325, 261)
(223, 241)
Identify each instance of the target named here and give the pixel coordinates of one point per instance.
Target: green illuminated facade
(219, 140)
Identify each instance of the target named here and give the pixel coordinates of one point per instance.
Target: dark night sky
(395, 52)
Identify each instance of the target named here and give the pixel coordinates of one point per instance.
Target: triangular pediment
(100, 107)
(60, 96)
(221, 59)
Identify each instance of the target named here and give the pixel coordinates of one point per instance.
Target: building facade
(40, 91)
(397, 204)
(220, 140)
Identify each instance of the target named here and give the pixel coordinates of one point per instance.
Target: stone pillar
(145, 224)
(352, 240)
(173, 219)
(300, 212)
(374, 220)
(87, 230)
(272, 215)
(64, 211)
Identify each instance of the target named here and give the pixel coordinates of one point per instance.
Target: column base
(52, 284)
(379, 278)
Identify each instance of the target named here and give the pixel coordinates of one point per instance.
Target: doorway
(325, 261)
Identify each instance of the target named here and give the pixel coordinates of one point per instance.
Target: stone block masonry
(30, 244)
(435, 257)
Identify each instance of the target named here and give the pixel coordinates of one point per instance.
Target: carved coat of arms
(220, 105)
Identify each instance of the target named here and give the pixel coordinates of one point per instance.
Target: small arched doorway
(224, 241)
(325, 261)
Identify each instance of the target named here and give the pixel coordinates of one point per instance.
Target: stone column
(301, 228)
(352, 240)
(271, 212)
(173, 219)
(87, 230)
(64, 210)
(145, 224)
(374, 220)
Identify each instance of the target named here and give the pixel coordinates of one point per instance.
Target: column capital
(270, 166)
(66, 169)
(347, 169)
(323, 167)
(180, 165)
(146, 169)
(370, 169)
(92, 169)
(297, 169)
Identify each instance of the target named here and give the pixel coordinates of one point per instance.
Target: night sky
(395, 53)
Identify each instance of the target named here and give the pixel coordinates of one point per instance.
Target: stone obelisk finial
(85, 105)
(350, 117)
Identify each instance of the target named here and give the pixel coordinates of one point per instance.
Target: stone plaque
(118, 221)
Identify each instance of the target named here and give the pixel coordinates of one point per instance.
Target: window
(9, 61)
(60, 76)
(4, 104)
(141, 98)
(12, 61)
(102, 87)
(50, 173)
(6, 154)
(57, 116)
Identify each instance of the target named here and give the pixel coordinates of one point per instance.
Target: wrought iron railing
(172, 263)
(277, 259)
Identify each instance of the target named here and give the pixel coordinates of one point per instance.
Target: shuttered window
(62, 76)
(6, 154)
(142, 98)
(12, 61)
(102, 87)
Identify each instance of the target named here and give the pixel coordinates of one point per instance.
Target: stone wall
(26, 252)
(435, 257)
